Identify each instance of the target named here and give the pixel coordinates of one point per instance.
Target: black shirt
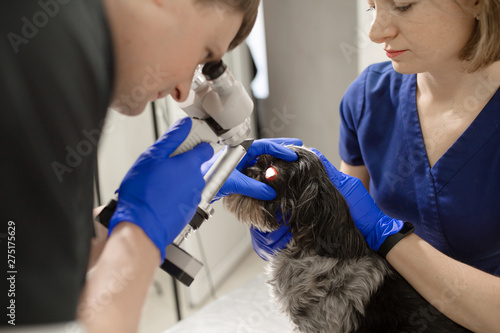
(56, 82)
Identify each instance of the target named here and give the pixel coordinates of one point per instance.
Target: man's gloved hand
(241, 184)
(160, 193)
(374, 225)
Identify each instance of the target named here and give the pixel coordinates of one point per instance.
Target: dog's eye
(271, 173)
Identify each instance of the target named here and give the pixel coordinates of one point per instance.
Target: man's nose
(181, 91)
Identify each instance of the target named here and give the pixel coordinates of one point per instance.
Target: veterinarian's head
(158, 44)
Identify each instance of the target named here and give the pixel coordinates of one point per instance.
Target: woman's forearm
(116, 289)
(464, 294)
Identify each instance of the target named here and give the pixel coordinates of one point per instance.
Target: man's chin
(129, 109)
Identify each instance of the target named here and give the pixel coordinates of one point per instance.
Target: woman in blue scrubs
(422, 133)
(426, 145)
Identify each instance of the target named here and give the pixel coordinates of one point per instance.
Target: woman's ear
(477, 9)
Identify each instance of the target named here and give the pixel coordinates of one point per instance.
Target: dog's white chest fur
(322, 294)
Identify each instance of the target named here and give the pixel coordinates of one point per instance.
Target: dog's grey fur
(328, 279)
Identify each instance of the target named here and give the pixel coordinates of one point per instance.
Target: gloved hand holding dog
(374, 225)
(154, 197)
(241, 184)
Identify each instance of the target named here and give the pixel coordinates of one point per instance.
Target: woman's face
(422, 35)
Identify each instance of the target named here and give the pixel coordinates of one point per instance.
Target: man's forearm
(99, 241)
(115, 290)
(464, 294)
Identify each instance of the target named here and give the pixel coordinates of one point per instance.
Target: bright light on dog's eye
(271, 173)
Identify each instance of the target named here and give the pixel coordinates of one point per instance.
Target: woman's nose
(382, 28)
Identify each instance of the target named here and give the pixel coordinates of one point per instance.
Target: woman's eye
(372, 8)
(403, 9)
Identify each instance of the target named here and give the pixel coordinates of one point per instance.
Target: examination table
(248, 309)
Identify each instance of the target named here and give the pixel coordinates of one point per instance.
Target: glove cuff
(384, 228)
(124, 214)
(392, 240)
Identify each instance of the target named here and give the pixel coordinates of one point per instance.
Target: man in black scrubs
(63, 62)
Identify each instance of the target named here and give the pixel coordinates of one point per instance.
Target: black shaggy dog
(328, 280)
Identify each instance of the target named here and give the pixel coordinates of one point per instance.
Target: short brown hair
(249, 8)
(483, 48)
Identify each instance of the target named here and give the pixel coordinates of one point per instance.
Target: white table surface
(248, 309)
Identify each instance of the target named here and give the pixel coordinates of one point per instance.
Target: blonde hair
(483, 48)
(249, 8)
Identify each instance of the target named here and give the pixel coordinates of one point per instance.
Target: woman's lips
(394, 53)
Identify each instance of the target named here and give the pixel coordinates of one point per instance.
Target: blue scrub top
(455, 205)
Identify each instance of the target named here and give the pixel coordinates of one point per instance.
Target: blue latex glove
(241, 184)
(160, 193)
(267, 244)
(263, 243)
(374, 225)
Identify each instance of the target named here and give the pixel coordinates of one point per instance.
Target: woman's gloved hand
(241, 184)
(160, 193)
(374, 225)
(267, 244)
(263, 243)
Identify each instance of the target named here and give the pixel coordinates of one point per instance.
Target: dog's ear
(319, 217)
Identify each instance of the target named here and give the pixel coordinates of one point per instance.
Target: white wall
(309, 70)
(315, 49)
